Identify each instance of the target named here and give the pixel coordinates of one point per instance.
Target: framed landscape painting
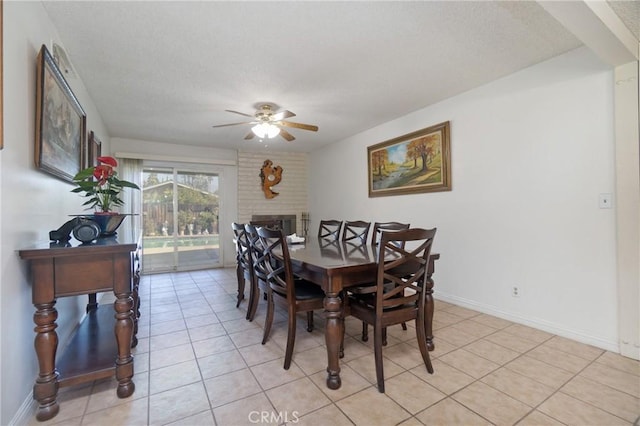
(60, 122)
(416, 162)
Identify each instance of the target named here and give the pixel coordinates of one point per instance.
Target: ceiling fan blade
(288, 136)
(233, 124)
(300, 126)
(237, 112)
(282, 115)
(250, 135)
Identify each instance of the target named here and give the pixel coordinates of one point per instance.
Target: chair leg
(384, 336)
(377, 350)
(341, 351)
(250, 306)
(254, 298)
(309, 321)
(291, 340)
(269, 319)
(240, 275)
(343, 317)
(365, 331)
(404, 326)
(422, 344)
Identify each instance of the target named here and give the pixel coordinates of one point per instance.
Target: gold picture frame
(413, 163)
(60, 122)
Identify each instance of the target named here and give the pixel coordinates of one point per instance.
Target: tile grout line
(476, 380)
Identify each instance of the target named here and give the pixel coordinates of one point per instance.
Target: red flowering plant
(101, 185)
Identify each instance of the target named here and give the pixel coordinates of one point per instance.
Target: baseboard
(25, 413)
(27, 410)
(630, 350)
(543, 325)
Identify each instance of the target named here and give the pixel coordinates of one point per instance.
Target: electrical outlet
(605, 201)
(515, 291)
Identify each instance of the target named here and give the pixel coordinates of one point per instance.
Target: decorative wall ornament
(270, 177)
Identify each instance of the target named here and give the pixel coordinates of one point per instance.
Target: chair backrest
(275, 263)
(356, 230)
(253, 243)
(379, 227)
(402, 271)
(238, 229)
(243, 256)
(329, 229)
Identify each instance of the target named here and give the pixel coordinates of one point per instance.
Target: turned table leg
(124, 333)
(429, 309)
(45, 390)
(333, 337)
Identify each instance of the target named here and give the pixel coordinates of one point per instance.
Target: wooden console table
(59, 270)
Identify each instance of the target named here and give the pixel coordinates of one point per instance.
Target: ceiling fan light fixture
(268, 124)
(263, 130)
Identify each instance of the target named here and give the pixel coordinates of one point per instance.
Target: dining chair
(273, 265)
(400, 292)
(378, 228)
(356, 230)
(330, 229)
(243, 267)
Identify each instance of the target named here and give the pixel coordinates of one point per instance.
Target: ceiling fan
(269, 123)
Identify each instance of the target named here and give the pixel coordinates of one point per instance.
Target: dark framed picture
(413, 163)
(94, 150)
(60, 122)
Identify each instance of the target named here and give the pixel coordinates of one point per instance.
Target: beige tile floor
(199, 362)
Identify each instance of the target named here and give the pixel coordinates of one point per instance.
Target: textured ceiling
(629, 13)
(167, 71)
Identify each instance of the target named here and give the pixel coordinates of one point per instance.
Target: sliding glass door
(180, 222)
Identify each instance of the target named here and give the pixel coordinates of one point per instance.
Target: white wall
(530, 155)
(33, 202)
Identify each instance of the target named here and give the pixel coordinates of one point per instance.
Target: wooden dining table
(337, 265)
